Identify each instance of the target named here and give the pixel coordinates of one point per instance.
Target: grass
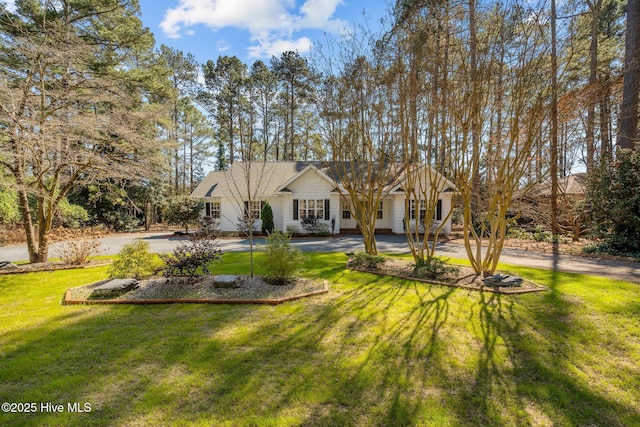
(374, 351)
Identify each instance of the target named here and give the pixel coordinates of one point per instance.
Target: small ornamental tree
(192, 258)
(183, 211)
(282, 261)
(267, 219)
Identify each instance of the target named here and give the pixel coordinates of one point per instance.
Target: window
(346, 213)
(307, 208)
(380, 209)
(212, 210)
(423, 210)
(256, 208)
(311, 208)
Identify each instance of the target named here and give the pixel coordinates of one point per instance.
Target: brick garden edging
(268, 301)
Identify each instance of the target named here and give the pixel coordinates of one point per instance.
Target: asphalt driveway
(163, 242)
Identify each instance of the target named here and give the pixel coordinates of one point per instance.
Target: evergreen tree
(74, 103)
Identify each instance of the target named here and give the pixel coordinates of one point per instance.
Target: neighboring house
(296, 190)
(535, 204)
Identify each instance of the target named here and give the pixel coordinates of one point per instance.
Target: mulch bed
(251, 290)
(465, 278)
(52, 266)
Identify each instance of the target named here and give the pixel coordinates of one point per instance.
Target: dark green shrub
(365, 260)
(433, 268)
(282, 261)
(612, 203)
(135, 260)
(267, 219)
(70, 215)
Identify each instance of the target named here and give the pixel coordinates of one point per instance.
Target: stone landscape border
(263, 301)
(480, 288)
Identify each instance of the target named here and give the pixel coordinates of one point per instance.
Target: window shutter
(439, 210)
(326, 209)
(207, 209)
(295, 209)
(246, 209)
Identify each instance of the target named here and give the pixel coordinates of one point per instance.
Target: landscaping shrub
(322, 229)
(612, 203)
(78, 251)
(193, 257)
(309, 224)
(282, 261)
(365, 260)
(135, 260)
(293, 230)
(267, 219)
(433, 268)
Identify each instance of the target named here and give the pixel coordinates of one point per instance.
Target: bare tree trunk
(628, 134)
(593, 68)
(554, 124)
(27, 222)
(605, 119)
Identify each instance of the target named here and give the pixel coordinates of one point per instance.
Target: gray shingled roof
(271, 177)
(265, 178)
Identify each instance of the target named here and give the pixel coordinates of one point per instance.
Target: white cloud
(270, 23)
(268, 48)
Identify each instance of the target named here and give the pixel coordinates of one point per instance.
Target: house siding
(299, 184)
(309, 186)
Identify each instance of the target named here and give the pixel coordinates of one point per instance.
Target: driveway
(163, 242)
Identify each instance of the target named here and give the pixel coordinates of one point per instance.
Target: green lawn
(374, 351)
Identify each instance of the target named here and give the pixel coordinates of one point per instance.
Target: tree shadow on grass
(375, 351)
(527, 371)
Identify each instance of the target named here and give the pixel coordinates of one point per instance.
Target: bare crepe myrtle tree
(356, 100)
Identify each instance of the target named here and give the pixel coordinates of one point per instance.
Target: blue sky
(253, 29)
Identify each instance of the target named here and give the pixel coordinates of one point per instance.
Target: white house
(296, 190)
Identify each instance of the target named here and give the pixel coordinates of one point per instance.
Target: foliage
(9, 211)
(267, 219)
(193, 257)
(613, 203)
(309, 223)
(282, 261)
(78, 251)
(322, 229)
(73, 110)
(135, 260)
(183, 210)
(293, 230)
(434, 268)
(365, 260)
(70, 215)
(539, 234)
